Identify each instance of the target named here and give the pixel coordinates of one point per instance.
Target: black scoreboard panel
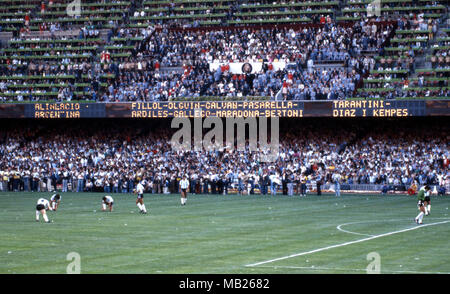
(65, 110)
(344, 108)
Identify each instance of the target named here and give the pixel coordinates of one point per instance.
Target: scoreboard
(218, 108)
(376, 108)
(168, 109)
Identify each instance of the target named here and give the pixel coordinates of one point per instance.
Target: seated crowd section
(112, 156)
(120, 51)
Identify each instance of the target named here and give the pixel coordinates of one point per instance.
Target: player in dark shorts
(427, 202)
(41, 208)
(184, 185)
(140, 189)
(107, 201)
(55, 200)
(420, 203)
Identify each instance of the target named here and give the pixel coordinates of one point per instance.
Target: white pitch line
(346, 243)
(350, 232)
(349, 269)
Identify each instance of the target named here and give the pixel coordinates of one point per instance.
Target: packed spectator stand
(118, 51)
(112, 156)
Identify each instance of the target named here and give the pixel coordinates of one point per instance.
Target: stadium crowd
(113, 157)
(196, 50)
(138, 75)
(166, 49)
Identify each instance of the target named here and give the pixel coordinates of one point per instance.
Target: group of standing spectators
(111, 157)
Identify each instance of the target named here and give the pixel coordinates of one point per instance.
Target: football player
(41, 208)
(107, 201)
(140, 197)
(337, 184)
(54, 201)
(427, 201)
(420, 203)
(184, 185)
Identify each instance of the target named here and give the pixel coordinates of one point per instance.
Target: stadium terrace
(140, 51)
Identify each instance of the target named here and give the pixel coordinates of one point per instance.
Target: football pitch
(226, 234)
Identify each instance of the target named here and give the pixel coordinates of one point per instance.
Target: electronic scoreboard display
(338, 108)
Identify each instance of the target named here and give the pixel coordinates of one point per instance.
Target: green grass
(218, 234)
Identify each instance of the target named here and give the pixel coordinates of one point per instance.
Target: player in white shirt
(54, 201)
(184, 185)
(140, 198)
(337, 184)
(41, 208)
(427, 202)
(107, 201)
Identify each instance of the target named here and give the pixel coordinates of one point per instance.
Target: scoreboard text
(57, 110)
(168, 109)
(364, 108)
(217, 108)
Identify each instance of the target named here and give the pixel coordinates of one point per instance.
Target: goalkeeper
(423, 192)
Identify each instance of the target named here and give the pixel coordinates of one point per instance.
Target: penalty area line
(345, 244)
